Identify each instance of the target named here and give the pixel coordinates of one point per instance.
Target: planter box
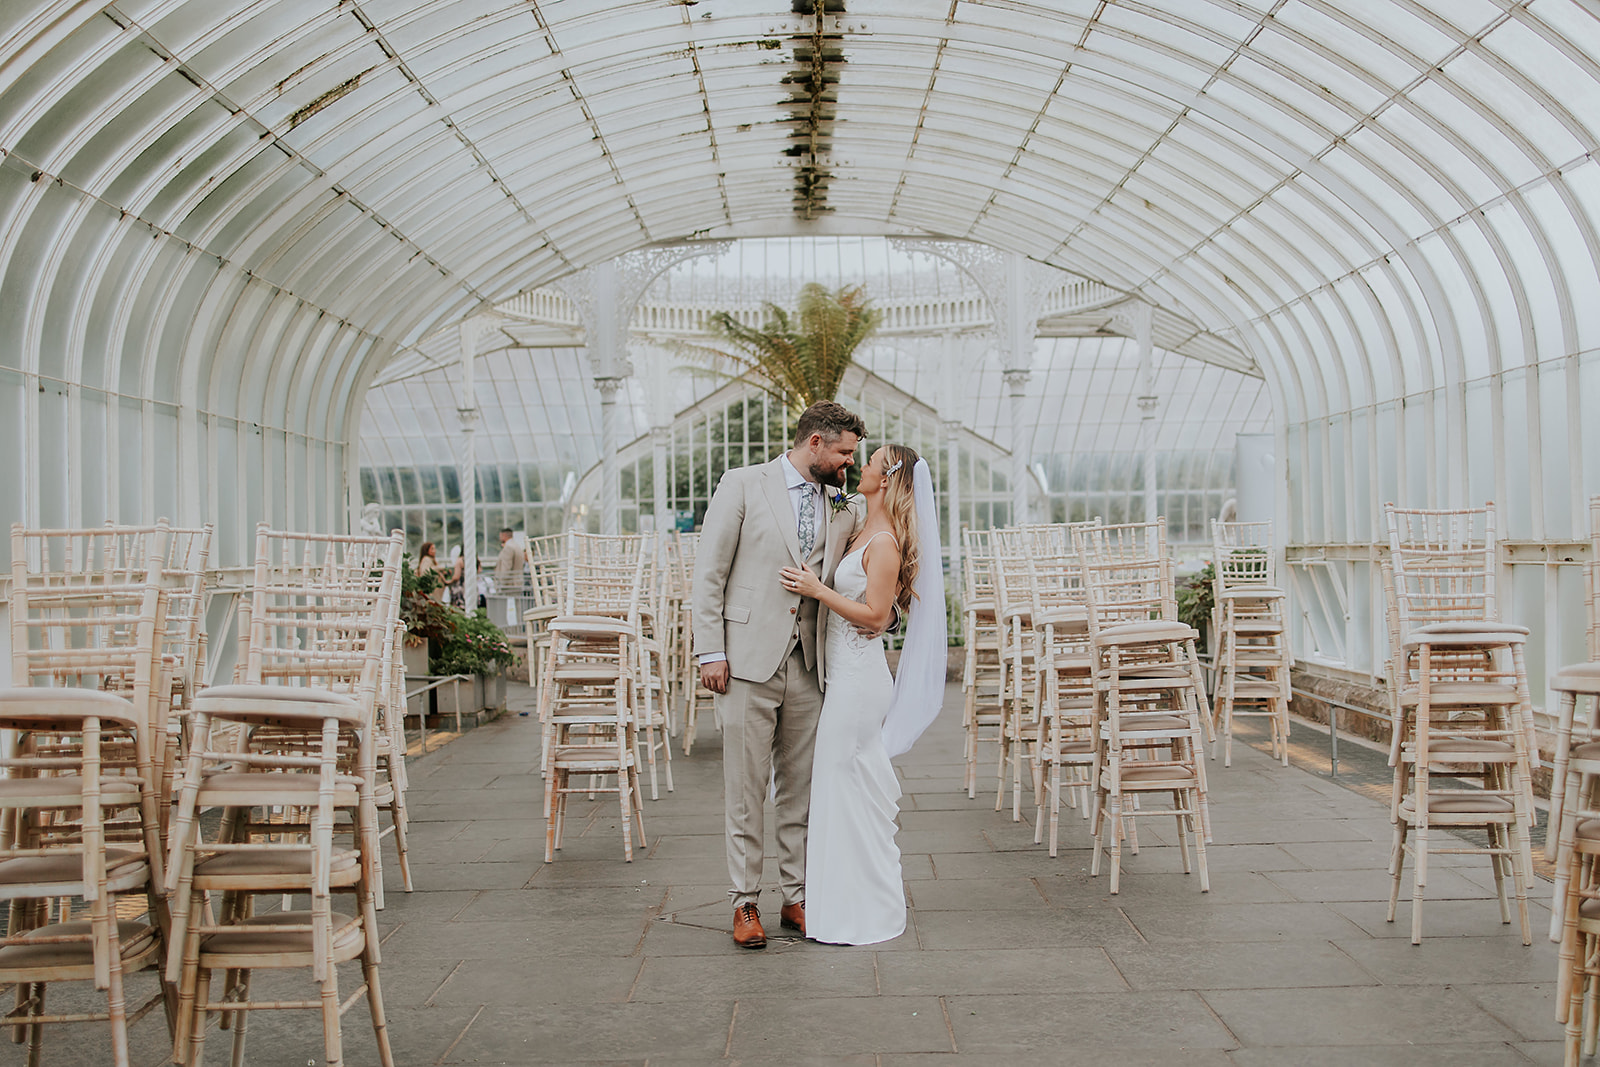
(494, 691)
(415, 658)
(464, 698)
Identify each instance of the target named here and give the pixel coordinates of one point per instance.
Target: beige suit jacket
(740, 609)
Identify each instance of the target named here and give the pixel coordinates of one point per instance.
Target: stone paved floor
(1010, 956)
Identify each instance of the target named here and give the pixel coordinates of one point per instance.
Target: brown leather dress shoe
(793, 917)
(747, 931)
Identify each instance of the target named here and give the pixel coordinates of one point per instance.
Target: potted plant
(474, 646)
(1196, 600)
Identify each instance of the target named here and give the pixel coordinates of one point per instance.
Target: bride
(854, 891)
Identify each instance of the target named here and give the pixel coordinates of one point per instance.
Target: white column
(660, 438)
(610, 479)
(467, 475)
(467, 468)
(1017, 383)
(950, 432)
(1147, 405)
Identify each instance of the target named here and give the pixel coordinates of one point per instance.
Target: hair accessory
(897, 465)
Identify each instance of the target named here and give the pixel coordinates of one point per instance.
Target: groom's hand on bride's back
(714, 676)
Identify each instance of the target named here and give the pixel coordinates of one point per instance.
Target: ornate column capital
(609, 387)
(1016, 380)
(661, 435)
(1014, 286)
(606, 294)
(469, 418)
(1147, 406)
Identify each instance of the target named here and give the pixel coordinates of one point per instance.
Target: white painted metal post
(660, 438)
(467, 468)
(610, 475)
(1148, 401)
(1017, 382)
(950, 430)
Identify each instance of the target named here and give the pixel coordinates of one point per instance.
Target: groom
(761, 646)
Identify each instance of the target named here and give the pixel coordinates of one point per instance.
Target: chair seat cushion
(66, 789)
(1155, 630)
(1153, 724)
(124, 867)
(1134, 774)
(1493, 807)
(59, 707)
(1253, 592)
(216, 950)
(1473, 626)
(1577, 678)
(1461, 694)
(271, 787)
(283, 703)
(273, 864)
(135, 939)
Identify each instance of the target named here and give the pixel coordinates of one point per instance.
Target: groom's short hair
(830, 419)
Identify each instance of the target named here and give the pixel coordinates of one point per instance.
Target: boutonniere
(839, 501)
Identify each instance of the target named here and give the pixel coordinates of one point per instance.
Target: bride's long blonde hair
(900, 506)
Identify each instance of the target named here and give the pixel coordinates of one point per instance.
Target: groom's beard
(833, 479)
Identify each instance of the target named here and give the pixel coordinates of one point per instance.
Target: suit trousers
(769, 732)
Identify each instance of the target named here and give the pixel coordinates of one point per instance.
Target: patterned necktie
(808, 519)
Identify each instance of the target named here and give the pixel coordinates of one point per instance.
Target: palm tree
(798, 360)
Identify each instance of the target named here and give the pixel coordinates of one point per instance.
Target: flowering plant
(839, 501)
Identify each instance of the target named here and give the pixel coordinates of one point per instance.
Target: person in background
(509, 566)
(428, 563)
(458, 568)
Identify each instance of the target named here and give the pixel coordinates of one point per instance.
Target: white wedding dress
(854, 892)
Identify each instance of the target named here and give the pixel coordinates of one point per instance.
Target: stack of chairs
(652, 703)
(1064, 689)
(1252, 638)
(289, 756)
(80, 803)
(1149, 695)
(1575, 810)
(695, 697)
(983, 673)
(547, 572)
(1010, 550)
(591, 726)
(1463, 740)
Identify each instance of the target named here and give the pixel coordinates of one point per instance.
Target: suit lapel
(782, 511)
(841, 524)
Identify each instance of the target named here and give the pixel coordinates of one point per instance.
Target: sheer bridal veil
(919, 683)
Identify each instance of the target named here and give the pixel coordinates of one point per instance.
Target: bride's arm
(875, 611)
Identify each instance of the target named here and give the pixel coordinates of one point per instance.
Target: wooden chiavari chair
(1252, 639)
(696, 697)
(80, 801)
(592, 725)
(296, 770)
(1150, 698)
(1463, 709)
(983, 673)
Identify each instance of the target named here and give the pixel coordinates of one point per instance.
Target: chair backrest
(684, 546)
(1444, 564)
(1127, 574)
(547, 561)
(977, 557)
(321, 612)
(1013, 580)
(1243, 553)
(87, 609)
(604, 574)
